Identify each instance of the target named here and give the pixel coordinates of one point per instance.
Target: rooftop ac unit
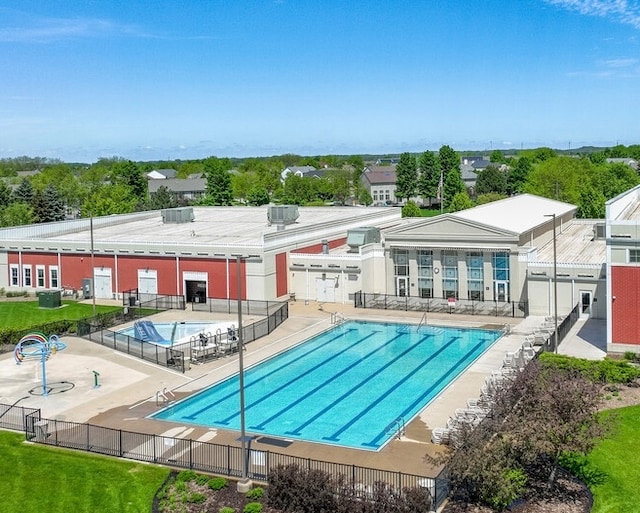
(357, 237)
(177, 215)
(282, 215)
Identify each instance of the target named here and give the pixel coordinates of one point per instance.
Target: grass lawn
(619, 459)
(47, 479)
(23, 314)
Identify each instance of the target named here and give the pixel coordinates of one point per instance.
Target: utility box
(49, 299)
(87, 288)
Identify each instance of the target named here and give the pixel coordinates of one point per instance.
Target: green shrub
(502, 492)
(227, 509)
(255, 493)
(201, 479)
(253, 507)
(196, 498)
(181, 486)
(600, 371)
(217, 483)
(580, 467)
(186, 475)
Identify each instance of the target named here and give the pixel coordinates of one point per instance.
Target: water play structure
(36, 346)
(147, 332)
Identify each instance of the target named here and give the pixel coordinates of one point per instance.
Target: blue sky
(169, 79)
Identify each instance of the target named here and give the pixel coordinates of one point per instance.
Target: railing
(442, 305)
(176, 356)
(423, 321)
(397, 427)
(201, 456)
(337, 318)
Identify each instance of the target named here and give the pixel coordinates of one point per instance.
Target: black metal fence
(207, 457)
(97, 329)
(459, 306)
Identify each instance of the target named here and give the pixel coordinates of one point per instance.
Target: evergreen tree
(48, 206)
(410, 209)
(163, 198)
(491, 179)
(24, 192)
(460, 201)
(429, 167)
(453, 185)
(406, 177)
(449, 160)
(5, 194)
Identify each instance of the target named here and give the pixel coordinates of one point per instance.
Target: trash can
(40, 427)
(132, 300)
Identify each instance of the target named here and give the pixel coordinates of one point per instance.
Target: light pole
(244, 485)
(555, 286)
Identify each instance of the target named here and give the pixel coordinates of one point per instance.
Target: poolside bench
(201, 353)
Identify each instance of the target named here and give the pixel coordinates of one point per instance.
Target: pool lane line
(375, 442)
(335, 436)
(326, 382)
(283, 366)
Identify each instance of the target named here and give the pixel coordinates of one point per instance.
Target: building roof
(517, 213)
(379, 168)
(576, 244)
(387, 177)
(179, 185)
(214, 230)
(161, 174)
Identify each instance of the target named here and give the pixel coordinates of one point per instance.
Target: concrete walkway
(130, 389)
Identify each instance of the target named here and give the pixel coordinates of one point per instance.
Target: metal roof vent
(177, 215)
(282, 215)
(357, 237)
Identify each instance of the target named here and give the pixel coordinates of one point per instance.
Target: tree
(488, 198)
(429, 167)
(126, 172)
(364, 197)
(163, 198)
(340, 185)
(453, 185)
(559, 178)
(297, 190)
(257, 196)
(110, 199)
(460, 201)
(5, 194)
(491, 179)
(24, 192)
(17, 214)
(449, 160)
(219, 190)
(406, 177)
(242, 183)
(497, 157)
(48, 206)
(518, 175)
(592, 203)
(410, 209)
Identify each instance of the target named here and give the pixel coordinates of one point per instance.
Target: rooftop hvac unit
(177, 215)
(599, 231)
(357, 237)
(282, 215)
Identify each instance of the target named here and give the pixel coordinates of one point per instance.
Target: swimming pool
(346, 386)
(183, 331)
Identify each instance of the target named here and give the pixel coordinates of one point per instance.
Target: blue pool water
(183, 330)
(344, 387)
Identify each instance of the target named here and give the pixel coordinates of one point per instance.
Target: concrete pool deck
(130, 388)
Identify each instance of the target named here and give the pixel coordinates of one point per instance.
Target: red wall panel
(317, 248)
(282, 273)
(625, 288)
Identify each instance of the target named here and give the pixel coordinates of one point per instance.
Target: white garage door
(147, 281)
(102, 279)
(326, 290)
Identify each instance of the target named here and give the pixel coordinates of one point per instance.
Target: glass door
(402, 286)
(502, 291)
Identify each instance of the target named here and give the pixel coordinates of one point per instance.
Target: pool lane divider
(296, 431)
(283, 367)
(421, 399)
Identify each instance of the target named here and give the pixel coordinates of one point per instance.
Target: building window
(40, 276)
(54, 282)
(501, 276)
(450, 274)
(375, 195)
(387, 196)
(15, 276)
(425, 273)
(634, 256)
(475, 276)
(26, 276)
(401, 262)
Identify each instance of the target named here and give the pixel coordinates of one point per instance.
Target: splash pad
(36, 346)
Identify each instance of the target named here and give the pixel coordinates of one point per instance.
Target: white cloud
(54, 29)
(620, 63)
(621, 11)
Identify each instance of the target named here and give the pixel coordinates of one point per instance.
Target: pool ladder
(337, 318)
(397, 427)
(164, 396)
(423, 321)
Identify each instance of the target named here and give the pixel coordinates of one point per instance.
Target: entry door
(402, 286)
(585, 303)
(325, 290)
(102, 280)
(502, 291)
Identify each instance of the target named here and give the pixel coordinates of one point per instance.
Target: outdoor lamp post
(244, 485)
(555, 286)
